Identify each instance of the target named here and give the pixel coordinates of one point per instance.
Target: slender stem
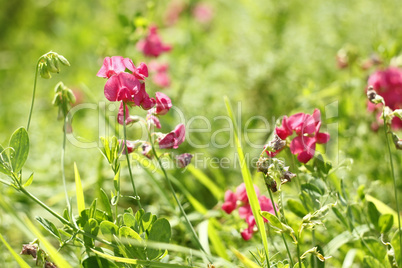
(128, 158)
(34, 198)
(395, 186)
(33, 93)
(298, 251)
(313, 242)
(188, 223)
(283, 236)
(63, 174)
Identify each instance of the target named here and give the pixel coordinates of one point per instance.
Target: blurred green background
(275, 58)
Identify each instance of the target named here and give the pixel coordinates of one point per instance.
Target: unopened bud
(43, 70)
(29, 249)
(373, 96)
(287, 177)
(184, 160)
(51, 63)
(263, 164)
(63, 60)
(397, 141)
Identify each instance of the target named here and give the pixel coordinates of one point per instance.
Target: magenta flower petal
(121, 82)
(168, 141)
(322, 138)
(114, 65)
(247, 234)
(241, 193)
(304, 157)
(180, 135)
(163, 103)
(297, 145)
(152, 44)
(284, 130)
(245, 211)
(230, 202)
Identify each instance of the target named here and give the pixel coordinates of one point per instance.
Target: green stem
(395, 186)
(127, 156)
(313, 242)
(277, 215)
(33, 93)
(34, 198)
(298, 251)
(63, 174)
(188, 223)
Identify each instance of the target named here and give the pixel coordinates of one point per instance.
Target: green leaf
(97, 262)
(252, 196)
(376, 248)
(16, 256)
(312, 187)
(138, 216)
(129, 220)
(20, 143)
(116, 181)
(395, 242)
(91, 227)
(373, 214)
(134, 251)
(49, 226)
(385, 209)
(4, 162)
(106, 202)
(78, 190)
(340, 216)
(385, 222)
(371, 262)
(108, 229)
(216, 241)
(297, 208)
(160, 232)
(29, 181)
(146, 221)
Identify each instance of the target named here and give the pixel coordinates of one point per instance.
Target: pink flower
(247, 233)
(266, 205)
(388, 84)
(173, 139)
(203, 13)
(125, 87)
(241, 193)
(307, 129)
(152, 45)
(141, 72)
(114, 65)
(160, 76)
(230, 203)
(131, 146)
(163, 103)
(152, 119)
(173, 11)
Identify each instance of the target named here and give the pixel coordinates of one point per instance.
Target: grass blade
(206, 181)
(252, 196)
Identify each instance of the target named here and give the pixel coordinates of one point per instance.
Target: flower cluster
(239, 199)
(388, 84)
(126, 83)
(307, 129)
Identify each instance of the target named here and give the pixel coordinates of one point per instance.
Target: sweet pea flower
(230, 203)
(388, 84)
(125, 87)
(163, 103)
(173, 139)
(141, 72)
(203, 13)
(114, 65)
(152, 45)
(241, 193)
(307, 128)
(152, 119)
(131, 146)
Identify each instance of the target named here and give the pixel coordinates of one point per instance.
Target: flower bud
(287, 176)
(51, 63)
(184, 160)
(373, 96)
(43, 70)
(63, 60)
(29, 249)
(263, 164)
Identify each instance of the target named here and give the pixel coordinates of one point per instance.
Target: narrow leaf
(29, 181)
